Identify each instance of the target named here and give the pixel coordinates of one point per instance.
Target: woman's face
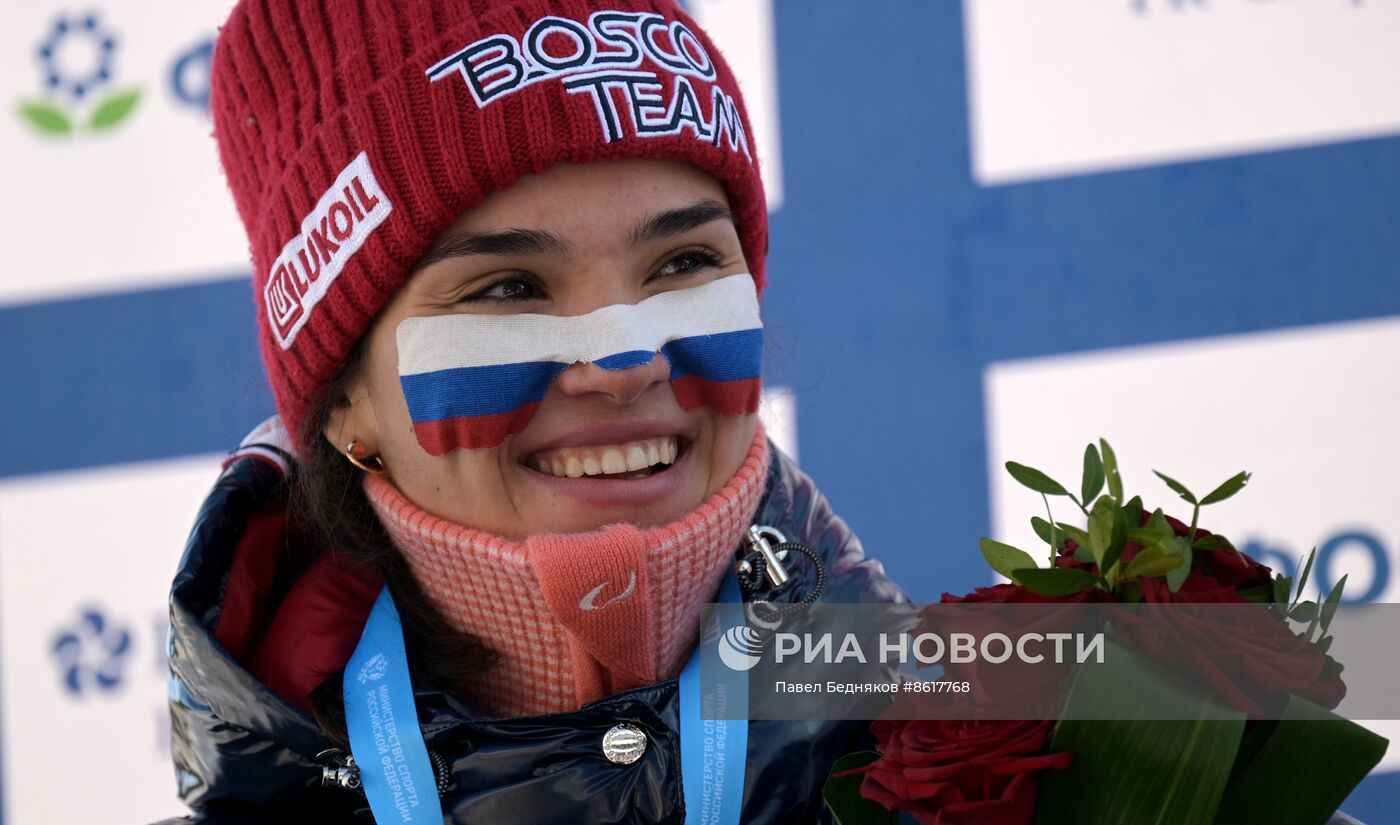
(565, 242)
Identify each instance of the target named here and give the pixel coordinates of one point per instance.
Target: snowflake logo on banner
(76, 65)
(90, 654)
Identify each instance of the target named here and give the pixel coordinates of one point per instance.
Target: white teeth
(609, 459)
(613, 462)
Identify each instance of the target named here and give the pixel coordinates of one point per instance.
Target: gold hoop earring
(377, 470)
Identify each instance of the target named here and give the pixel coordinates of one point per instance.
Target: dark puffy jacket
(245, 755)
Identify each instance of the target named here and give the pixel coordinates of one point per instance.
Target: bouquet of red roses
(1248, 738)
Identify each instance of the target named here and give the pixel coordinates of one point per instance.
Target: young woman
(507, 260)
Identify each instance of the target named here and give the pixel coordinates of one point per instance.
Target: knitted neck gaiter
(575, 617)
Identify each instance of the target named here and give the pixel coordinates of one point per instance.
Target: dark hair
(328, 503)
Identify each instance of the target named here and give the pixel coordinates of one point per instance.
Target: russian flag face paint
(472, 380)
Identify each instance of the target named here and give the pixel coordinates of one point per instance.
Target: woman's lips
(630, 487)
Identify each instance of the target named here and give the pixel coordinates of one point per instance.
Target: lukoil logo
(76, 61)
(374, 669)
(740, 647)
(91, 653)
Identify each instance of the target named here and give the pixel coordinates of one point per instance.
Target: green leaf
(843, 797)
(1048, 533)
(1214, 542)
(1305, 770)
(1004, 558)
(1282, 587)
(1101, 531)
(1080, 537)
(1132, 769)
(1152, 562)
(1333, 599)
(1132, 511)
(45, 117)
(1258, 594)
(1110, 469)
(1148, 537)
(114, 109)
(1158, 522)
(1176, 577)
(1232, 485)
(1054, 581)
(1035, 479)
(1093, 474)
(1303, 612)
(1303, 577)
(1118, 539)
(1178, 487)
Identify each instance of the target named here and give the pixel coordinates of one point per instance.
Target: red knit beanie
(352, 132)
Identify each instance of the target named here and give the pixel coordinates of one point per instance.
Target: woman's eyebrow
(503, 242)
(676, 221)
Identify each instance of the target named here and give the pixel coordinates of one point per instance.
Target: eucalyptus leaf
(1054, 581)
(1303, 577)
(1093, 479)
(1228, 488)
(842, 794)
(1148, 537)
(1048, 533)
(1082, 554)
(1101, 531)
(1132, 511)
(1080, 537)
(1110, 470)
(1258, 594)
(1176, 577)
(1151, 563)
(1158, 522)
(1214, 541)
(1282, 587)
(1035, 479)
(1004, 558)
(1303, 611)
(1333, 599)
(1118, 539)
(1178, 487)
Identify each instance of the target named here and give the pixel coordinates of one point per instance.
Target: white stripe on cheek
(727, 304)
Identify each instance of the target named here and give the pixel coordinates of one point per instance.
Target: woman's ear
(352, 419)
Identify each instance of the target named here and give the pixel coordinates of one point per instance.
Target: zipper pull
(342, 772)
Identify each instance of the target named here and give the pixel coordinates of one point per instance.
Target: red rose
(1016, 594)
(1013, 688)
(1242, 653)
(960, 772)
(1197, 589)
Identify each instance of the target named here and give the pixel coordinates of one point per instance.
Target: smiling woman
(566, 242)
(508, 260)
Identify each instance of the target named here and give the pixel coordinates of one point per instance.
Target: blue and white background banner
(1000, 229)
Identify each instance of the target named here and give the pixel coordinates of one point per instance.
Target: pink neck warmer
(575, 617)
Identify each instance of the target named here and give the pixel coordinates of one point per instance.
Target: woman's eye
(687, 262)
(507, 289)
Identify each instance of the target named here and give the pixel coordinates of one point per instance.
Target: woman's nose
(621, 386)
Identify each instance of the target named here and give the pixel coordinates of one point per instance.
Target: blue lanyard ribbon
(714, 750)
(383, 724)
(398, 777)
